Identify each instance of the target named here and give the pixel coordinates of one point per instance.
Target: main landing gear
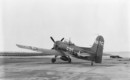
(69, 60)
(64, 58)
(53, 60)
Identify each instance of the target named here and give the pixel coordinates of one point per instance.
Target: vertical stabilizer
(97, 48)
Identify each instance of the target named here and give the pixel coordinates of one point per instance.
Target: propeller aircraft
(65, 50)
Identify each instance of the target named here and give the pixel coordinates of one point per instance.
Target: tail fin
(97, 48)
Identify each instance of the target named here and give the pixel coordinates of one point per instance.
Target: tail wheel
(53, 60)
(92, 60)
(69, 60)
(91, 63)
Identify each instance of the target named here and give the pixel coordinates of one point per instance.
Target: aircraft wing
(41, 50)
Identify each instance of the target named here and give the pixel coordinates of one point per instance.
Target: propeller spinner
(55, 42)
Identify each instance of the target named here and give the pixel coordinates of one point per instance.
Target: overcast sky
(32, 22)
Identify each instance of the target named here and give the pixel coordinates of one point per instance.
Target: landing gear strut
(69, 60)
(53, 60)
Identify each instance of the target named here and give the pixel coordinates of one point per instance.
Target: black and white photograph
(64, 40)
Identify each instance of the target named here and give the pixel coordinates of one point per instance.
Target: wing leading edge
(41, 50)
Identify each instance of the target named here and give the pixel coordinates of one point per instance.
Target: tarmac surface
(41, 68)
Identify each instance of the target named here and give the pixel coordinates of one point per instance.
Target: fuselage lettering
(70, 49)
(99, 42)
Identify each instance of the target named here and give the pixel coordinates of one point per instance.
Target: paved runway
(39, 68)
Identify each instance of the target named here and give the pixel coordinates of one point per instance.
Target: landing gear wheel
(53, 60)
(69, 60)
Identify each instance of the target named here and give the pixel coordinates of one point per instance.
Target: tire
(53, 60)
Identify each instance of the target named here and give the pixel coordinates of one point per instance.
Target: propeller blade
(62, 39)
(52, 39)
